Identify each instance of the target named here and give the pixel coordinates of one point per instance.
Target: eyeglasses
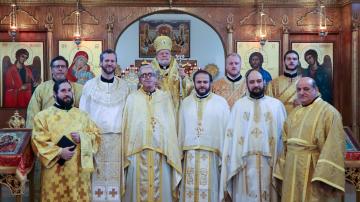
(60, 66)
(147, 75)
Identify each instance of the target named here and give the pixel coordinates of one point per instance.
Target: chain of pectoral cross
(153, 123)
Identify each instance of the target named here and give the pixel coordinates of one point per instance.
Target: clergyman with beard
(284, 86)
(252, 143)
(69, 180)
(202, 124)
(103, 99)
(172, 77)
(42, 97)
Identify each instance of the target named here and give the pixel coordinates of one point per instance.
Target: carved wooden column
(49, 26)
(354, 78)
(230, 30)
(285, 37)
(110, 32)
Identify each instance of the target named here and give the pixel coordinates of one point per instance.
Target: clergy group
(180, 137)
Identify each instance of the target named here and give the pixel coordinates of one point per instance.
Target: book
(65, 142)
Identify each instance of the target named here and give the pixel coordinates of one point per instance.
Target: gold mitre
(162, 42)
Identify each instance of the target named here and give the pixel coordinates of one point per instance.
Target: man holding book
(65, 140)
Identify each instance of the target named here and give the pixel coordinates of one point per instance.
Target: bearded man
(252, 144)
(103, 99)
(202, 124)
(284, 86)
(232, 86)
(66, 168)
(172, 78)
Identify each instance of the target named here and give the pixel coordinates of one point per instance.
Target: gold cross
(199, 130)
(268, 116)
(256, 132)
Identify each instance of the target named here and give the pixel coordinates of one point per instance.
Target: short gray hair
(156, 72)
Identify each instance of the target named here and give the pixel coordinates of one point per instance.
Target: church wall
(244, 30)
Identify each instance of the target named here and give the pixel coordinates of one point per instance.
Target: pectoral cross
(199, 130)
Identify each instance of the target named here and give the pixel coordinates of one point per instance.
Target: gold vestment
(70, 182)
(314, 149)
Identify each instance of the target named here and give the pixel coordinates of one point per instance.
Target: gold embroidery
(271, 141)
(203, 177)
(256, 132)
(190, 176)
(257, 111)
(241, 140)
(268, 117)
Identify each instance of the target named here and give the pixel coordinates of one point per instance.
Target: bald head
(306, 90)
(255, 83)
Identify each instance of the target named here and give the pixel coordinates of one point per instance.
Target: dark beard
(64, 104)
(202, 94)
(257, 95)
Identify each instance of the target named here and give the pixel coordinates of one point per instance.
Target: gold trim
(307, 171)
(199, 147)
(293, 179)
(328, 182)
(278, 177)
(138, 161)
(296, 140)
(197, 163)
(171, 163)
(331, 163)
(184, 176)
(150, 158)
(209, 175)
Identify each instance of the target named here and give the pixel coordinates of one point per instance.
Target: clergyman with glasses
(152, 156)
(43, 98)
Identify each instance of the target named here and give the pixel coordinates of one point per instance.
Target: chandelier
(77, 33)
(322, 24)
(13, 22)
(262, 30)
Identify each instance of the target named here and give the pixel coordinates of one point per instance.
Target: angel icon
(20, 80)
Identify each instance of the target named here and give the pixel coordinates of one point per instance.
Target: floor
(6, 196)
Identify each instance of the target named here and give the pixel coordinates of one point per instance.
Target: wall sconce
(322, 25)
(262, 30)
(13, 22)
(77, 33)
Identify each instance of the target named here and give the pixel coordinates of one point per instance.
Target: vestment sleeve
(45, 149)
(280, 164)
(33, 108)
(329, 168)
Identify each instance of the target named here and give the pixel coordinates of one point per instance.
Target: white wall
(205, 44)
